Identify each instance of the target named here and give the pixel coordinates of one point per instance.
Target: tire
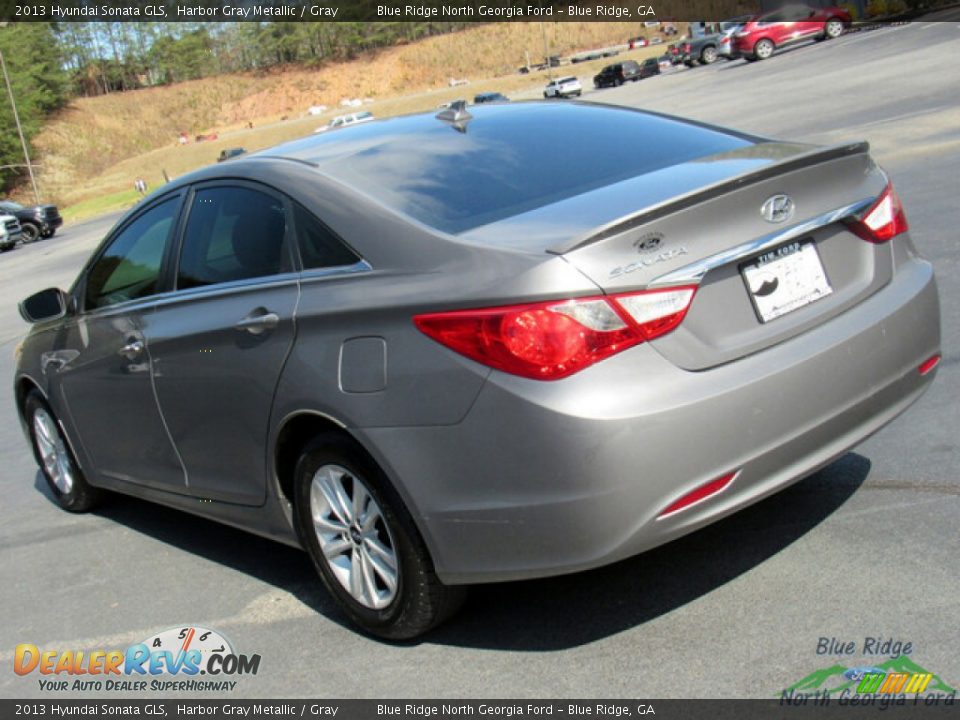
(48, 234)
(578, 93)
(709, 55)
(546, 97)
(31, 233)
(379, 570)
(832, 29)
(763, 49)
(53, 454)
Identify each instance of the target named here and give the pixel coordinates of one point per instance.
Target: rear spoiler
(695, 197)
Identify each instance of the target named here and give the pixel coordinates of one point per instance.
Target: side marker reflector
(701, 493)
(929, 364)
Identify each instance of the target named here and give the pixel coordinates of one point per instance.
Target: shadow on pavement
(539, 615)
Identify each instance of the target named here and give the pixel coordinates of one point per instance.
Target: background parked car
(9, 232)
(763, 34)
(343, 120)
(617, 74)
(563, 87)
(37, 221)
(637, 42)
(490, 97)
(228, 153)
(716, 44)
(649, 68)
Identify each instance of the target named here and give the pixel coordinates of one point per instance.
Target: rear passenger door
(220, 340)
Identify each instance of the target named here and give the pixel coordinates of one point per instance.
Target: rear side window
(130, 266)
(319, 248)
(233, 233)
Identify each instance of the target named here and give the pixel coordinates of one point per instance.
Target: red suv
(763, 34)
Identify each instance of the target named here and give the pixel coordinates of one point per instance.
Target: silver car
(432, 352)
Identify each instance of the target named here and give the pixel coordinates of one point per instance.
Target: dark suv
(617, 74)
(39, 221)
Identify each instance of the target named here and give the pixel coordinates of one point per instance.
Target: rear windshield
(507, 160)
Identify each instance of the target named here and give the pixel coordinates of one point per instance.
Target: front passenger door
(220, 340)
(107, 382)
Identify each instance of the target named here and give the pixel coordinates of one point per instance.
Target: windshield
(506, 162)
(11, 206)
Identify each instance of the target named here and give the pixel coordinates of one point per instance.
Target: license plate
(785, 279)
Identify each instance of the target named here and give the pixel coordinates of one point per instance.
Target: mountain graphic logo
(894, 676)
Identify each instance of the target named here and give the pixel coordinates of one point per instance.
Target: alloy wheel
(354, 537)
(53, 451)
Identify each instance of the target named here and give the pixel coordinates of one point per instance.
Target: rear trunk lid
(715, 236)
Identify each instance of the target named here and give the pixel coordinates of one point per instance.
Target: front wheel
(364, 543)
(833, 29)
(31, 233)
(70, 489)
(708, 56)
(763, 49)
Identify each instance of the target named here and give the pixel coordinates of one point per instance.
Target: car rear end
(569, 87)
(11, 231)
(49, 218)
(752, 310)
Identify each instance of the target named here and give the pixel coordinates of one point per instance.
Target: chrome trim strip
(360, 266)
(693, 273)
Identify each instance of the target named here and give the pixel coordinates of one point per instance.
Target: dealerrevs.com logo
(172, 660)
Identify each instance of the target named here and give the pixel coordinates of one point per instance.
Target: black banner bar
(379, 10)
(796, 706)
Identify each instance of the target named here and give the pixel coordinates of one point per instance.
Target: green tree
(39, 85)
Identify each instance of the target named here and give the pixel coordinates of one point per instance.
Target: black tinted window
(233, 233)
(130, 266)
(319, 248)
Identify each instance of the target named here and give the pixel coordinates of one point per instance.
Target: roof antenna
(456, 115)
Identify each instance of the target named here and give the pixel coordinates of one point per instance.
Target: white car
(343, 120)
(10, 232)
(563, 87)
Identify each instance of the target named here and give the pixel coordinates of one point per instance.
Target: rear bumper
(547, 478)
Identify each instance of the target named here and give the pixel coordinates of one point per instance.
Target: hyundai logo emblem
(777, 208)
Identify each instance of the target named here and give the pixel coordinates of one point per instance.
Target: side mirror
(49, 304)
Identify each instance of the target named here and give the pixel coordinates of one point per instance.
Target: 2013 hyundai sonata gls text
(433, 351)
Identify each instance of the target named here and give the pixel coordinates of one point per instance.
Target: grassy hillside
(98, 146)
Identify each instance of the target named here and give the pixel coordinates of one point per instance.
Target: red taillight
(883, 220)
(552, 340)
(929, 364)
(701, 493)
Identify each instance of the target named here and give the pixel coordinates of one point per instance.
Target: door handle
(132, 349)
(258, 321)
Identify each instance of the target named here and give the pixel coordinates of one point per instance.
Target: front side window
(130, 266)
(233, 233)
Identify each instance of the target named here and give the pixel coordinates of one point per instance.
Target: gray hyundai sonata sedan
(513, 342)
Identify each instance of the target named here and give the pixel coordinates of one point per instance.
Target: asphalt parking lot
(866, 548)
